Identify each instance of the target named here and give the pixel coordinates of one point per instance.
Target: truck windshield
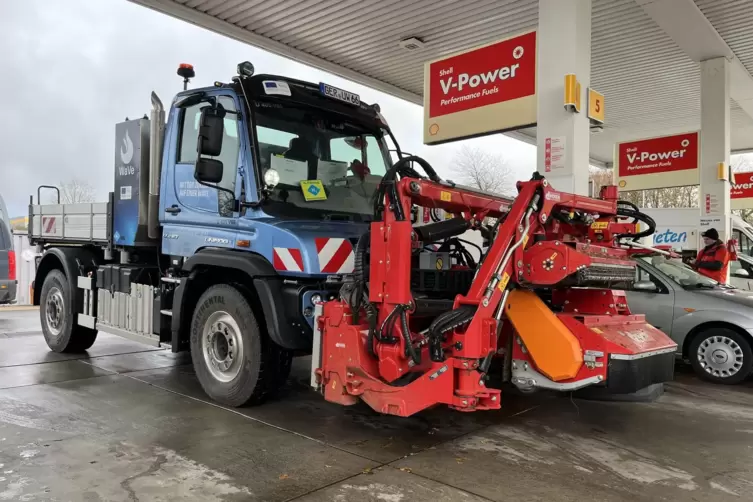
(679, 272)
(324, 162)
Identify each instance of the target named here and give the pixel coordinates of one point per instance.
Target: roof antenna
(186, 71)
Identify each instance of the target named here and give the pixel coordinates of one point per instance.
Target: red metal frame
(552, 250)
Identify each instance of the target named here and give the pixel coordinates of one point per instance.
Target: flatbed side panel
(82, 222)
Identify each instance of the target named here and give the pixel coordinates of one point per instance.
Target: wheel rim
(222, 346)
(720, 356)
(54, 312)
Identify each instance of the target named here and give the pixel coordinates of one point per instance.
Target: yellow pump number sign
(595, 106)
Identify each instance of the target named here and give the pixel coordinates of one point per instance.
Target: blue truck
(233, 214)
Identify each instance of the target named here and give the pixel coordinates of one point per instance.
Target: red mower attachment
(545, 300)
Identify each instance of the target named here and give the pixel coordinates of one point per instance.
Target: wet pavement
(127, 422)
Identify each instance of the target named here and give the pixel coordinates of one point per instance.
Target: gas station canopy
(645, 54)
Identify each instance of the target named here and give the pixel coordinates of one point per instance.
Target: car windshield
(679, 272)
(323, 161)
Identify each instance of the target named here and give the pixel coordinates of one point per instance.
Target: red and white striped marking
(49, 224)
(335, 255)
(288, 259)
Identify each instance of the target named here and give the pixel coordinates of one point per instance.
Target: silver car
(711, 323)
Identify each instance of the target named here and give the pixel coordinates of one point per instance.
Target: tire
(56, 313)
(721, 355)
(234, 359)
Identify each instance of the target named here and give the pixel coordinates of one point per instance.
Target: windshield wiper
(701, 285)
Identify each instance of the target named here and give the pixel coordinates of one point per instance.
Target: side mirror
(208, 170)
(644, 286)
(741, 273)
(211, 128)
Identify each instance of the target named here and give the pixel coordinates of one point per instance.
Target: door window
(191, 192)
(744, 243)
(642, 275)
(349, 149)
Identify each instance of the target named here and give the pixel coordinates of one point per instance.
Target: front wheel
(721, 355)
(57, 315)
(235, 361)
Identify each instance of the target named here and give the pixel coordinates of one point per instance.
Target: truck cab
(229, 222)
(299, 172)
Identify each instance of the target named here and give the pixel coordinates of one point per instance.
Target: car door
(657, 305)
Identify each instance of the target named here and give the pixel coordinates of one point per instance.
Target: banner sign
(741, 192)
(667, 161)
(484, 90)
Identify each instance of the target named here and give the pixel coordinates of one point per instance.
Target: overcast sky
(72, 69)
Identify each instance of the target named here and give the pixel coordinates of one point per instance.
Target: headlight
(271, 178)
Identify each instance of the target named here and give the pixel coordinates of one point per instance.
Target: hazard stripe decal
(48, 224)
(287, 259)
(335, 255)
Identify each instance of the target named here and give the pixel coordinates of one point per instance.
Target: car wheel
(721, 355)
(234, 359)
(56, 313)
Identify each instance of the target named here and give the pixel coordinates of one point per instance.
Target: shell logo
(434, 129)
(623, 183)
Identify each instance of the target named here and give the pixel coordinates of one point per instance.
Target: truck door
(197, 215)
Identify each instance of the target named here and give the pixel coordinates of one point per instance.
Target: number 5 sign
(595, 106)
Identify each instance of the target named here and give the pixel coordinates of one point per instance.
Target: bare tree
(483, 170)
(659, 197)
(75, 191)
(599, 178)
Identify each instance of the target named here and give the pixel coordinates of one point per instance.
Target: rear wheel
(234, 359)
(57, 315)
(721, 355)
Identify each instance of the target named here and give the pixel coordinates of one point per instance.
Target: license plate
(334, 92)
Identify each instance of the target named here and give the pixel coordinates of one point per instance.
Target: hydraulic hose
(402, 168)
(632, 212)
(409, 348)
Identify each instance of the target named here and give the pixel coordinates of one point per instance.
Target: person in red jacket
(713, 260)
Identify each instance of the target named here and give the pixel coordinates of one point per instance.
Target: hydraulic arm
(546, 299)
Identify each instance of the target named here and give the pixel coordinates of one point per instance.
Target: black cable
(637, 216)
(387, 323)
(409, 348)
(442, 324)
(371, 315)
(402, 168)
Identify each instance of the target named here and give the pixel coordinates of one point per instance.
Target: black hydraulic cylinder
(433, 232)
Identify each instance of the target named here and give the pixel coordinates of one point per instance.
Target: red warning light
(186, 71)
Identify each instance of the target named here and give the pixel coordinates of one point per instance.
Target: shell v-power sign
(481, 91)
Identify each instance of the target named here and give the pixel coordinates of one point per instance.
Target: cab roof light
(186, 71)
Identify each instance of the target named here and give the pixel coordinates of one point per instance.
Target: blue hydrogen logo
(117, 236)
(313, 190)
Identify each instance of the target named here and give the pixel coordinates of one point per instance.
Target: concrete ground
(129, 423)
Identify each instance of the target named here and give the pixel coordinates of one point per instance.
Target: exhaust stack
(156, 138)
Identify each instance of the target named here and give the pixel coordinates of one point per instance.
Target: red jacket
(713, 261)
